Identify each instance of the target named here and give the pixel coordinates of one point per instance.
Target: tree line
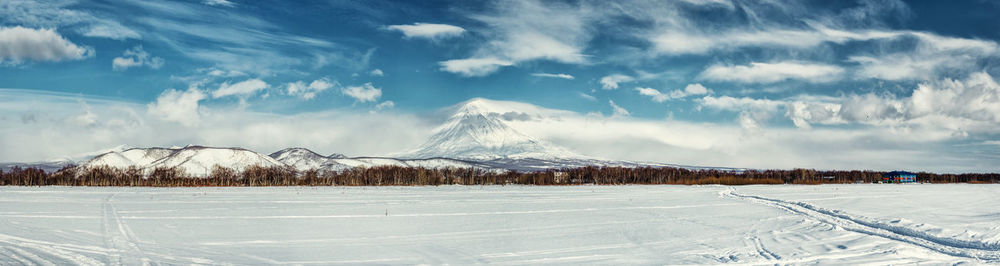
(409, 176)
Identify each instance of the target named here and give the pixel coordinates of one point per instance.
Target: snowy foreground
(829, 224)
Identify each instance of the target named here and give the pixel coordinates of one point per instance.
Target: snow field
(784, 224)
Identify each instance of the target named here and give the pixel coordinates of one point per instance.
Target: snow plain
(784, 224)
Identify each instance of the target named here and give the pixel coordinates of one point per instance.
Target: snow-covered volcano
(476, 131)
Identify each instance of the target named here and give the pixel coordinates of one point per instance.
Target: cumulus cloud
(773, 72)
(19, 44)
(939, 109)
(657, 96)
(551, 75)
(136, 57)
(241, 88)
(428, 30)
(363, 93)
(610, 82)
(376, 73)
(309, 91)
(474, 67)
(618, 111)
(178, 106)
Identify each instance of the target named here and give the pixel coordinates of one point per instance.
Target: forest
(408, 176)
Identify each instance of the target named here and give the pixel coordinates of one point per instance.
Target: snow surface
(572, 225)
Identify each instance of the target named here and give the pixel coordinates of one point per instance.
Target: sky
(877, 85)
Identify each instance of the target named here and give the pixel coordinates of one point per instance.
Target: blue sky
(771, 73)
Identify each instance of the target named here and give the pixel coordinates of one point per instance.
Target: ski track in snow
(120, 238)
(988, 252)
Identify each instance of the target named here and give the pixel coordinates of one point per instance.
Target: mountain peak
(475, 131)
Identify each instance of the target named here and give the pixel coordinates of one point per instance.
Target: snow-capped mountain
(301, 158)
(475, 131)
(304, 159)
(199, 161)
(194, 160)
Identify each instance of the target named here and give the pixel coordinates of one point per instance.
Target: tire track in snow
(950, 246)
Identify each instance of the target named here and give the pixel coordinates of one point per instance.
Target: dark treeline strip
(405, 176)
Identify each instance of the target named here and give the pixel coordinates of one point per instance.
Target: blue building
(899, 177)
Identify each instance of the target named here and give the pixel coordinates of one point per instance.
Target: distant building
(899, 177)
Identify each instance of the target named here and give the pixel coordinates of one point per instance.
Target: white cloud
(657, 96)
(385, 105)
(675, 39)
(376, 73)
(428, 30)
(226, 74)
(551, 75)
(527, 30)
(111, 30)
(245, 87)
(474, 67)
(976, 98)
(610, 82)
(64, 15)
(136, 57)
(587, 96)
(363, 93)
(225, 3)
(803, 113)
(19, 44)
(65, 128)
(933, 54)
(618, 111)
(773, 72)
(178, 106)
(241, 41)
(936, 110)
(739, 104)
(749, 124)
(309, 91)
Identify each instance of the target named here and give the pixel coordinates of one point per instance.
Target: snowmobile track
(989, 252)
